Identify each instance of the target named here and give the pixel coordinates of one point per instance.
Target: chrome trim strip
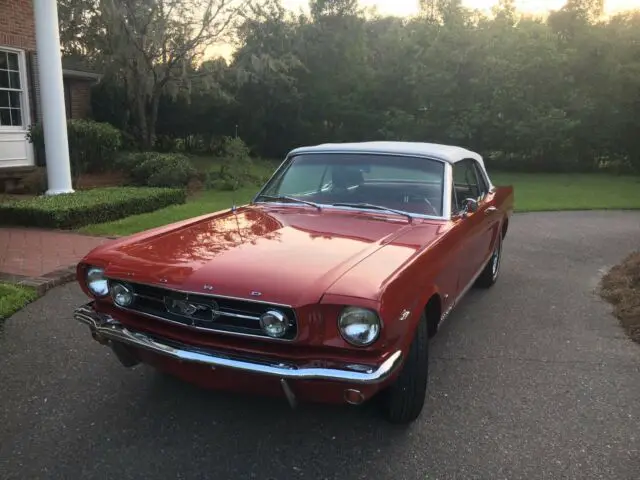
(202, 294)
(464, 291)
(446, 191)
(210, 330)
(224, 313)
(106, 327)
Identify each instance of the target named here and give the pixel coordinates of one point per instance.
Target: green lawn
(549, 191)
(533, 192)
(205, 202)
(13, 298)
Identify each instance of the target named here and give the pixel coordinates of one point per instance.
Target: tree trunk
(141, 120)
(152, 119)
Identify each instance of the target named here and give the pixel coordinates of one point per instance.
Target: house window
(11, 90)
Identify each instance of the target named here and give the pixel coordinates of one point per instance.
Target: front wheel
(489, 275)
(404, 399)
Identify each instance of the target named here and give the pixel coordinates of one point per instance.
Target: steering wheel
(425, 199)
(433, 209)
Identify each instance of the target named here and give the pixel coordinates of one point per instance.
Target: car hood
(282, 255)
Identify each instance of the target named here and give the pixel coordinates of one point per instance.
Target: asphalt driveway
(533, 379)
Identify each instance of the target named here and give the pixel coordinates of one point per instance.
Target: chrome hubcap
(495, 260)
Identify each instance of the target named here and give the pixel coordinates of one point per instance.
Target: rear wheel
(489, 275)
(404, 400)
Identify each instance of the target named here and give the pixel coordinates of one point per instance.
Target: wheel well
(433, 312)
(505, 226)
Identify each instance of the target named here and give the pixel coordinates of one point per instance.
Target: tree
(79, 27)
(154, 47)
(534, 94)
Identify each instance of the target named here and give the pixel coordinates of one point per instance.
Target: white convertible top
(446, 153)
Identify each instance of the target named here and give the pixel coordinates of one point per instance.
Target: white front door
(15, 149)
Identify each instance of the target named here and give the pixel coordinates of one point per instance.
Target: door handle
(490, 210)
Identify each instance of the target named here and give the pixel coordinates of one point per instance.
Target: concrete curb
(44, 282)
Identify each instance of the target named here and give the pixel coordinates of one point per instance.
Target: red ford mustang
(326, 287)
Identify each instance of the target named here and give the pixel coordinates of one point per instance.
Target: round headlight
(96, 282)
(121, 294)
(359, 326)
(274, 323)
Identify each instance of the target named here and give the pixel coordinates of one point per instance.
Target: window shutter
(34, 99)
(34, 83)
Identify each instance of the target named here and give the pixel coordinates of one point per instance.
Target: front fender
(402, 317)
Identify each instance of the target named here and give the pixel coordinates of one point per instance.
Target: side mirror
(469, 205)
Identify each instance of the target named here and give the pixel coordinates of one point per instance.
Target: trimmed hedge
(87, 207)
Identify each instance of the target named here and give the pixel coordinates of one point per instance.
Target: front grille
(206, 312)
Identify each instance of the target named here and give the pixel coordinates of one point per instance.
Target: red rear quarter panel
(504, 198)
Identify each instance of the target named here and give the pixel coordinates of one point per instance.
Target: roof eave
(81, 75)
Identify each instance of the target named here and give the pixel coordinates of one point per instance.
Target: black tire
(404, 400)
(489, 275)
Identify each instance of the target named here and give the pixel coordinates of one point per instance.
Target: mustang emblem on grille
(195, 311)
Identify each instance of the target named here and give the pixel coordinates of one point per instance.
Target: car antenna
(233, 198)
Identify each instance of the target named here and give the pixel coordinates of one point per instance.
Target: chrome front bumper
(106, 329)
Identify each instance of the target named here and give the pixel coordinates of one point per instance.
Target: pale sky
(409, 7)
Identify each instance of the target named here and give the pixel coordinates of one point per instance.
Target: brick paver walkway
(31, 252)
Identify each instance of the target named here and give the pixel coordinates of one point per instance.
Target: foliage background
(560, 93)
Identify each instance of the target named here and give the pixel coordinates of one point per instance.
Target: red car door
(474, 227)
(489, 213)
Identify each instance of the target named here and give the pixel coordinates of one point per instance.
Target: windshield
(407, 184)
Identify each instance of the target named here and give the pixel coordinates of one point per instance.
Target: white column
(52, 96)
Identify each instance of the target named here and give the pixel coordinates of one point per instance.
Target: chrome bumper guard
(106, 329)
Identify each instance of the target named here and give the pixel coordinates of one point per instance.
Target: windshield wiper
(289, 199)
(374, 207)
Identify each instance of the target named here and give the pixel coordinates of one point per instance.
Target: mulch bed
(107, 179)
(621, 287)
(15, 196)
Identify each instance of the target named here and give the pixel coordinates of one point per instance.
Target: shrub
(235, 169)
(154, 169)
(92, 145)
(174, 173)
(87, 207)
(125, 162)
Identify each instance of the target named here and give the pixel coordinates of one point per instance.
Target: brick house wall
(18, 40)
(20, 99)
(17, 27)
(18, 82)
(18, 30)
(77, 94)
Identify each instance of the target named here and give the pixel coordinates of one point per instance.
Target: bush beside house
(232, 169)
(92, 145)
